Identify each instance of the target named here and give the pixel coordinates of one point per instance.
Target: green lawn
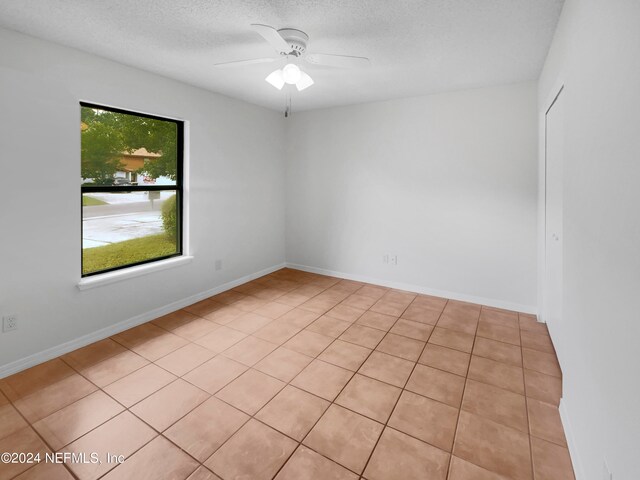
(91, 201)
(127, 252)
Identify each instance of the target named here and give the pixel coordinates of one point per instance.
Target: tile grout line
(30, 425)
(210, 395)
(98, 389)
(332, 402)
(353, 375)
(161, 434)
(356, 372)
(44, 441)
(367, 376)
(385, 426)
(344, 340)
(281, 345)
(464, 389)
(338, 394)
(526, 404)
(252, 417)
(127, 409)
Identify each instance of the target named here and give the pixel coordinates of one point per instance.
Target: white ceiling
(416, 46)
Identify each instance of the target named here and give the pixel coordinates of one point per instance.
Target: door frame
(545, 106)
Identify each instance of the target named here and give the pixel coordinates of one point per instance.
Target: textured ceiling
(416, 46)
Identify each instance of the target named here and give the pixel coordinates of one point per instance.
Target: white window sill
(137, 271)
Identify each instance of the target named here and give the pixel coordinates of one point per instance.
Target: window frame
(178, 188)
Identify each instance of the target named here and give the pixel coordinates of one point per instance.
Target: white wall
(596, 54)
(446, 182)
(236, 191)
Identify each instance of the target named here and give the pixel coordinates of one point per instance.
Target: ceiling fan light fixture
(291, 73)
(276, 79)
(305, 81)
(291, 45)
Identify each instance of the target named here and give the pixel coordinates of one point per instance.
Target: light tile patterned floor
(300, 376)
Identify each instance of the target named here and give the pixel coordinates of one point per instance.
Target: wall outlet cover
(9, 323)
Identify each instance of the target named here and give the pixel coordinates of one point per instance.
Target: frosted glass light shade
(291, 73)
(305, 82)
(276, 79)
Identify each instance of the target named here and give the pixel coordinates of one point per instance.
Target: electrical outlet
(394, 260)
(9, 323)
(385, 258)
(218, 265)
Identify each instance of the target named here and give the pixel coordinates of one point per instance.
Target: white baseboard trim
(53, 352)
(490, 302)
(571, 443)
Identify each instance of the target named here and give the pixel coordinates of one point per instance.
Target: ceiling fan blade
(272, 36)
(342, 61)
(240, 63)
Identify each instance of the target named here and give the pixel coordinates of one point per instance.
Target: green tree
(157, 136)
(105, 135)
(100, 149)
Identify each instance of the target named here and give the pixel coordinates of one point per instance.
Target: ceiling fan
(292, 44)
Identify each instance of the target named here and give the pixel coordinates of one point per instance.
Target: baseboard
(53, 352)
(571, 443)
(491, 302)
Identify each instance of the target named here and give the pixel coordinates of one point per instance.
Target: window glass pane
(122, 149)
(125, 228)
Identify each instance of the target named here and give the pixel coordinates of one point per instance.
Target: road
(126, 216)
(120, 209)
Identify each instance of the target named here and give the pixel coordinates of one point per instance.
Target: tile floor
(299, 376)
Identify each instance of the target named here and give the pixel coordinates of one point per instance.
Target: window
(131, 169)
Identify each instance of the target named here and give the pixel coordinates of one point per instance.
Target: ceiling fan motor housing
(296, 39)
